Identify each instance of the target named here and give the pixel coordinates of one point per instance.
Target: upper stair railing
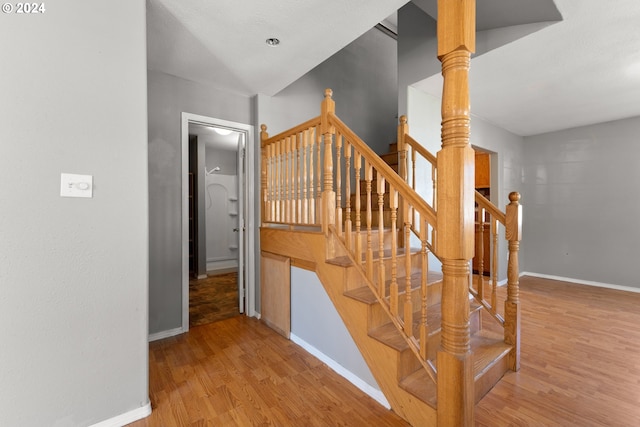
(483, 283)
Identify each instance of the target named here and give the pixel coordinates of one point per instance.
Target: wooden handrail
(484, 203)
(294, 130)
(389, 174)
(420, 149)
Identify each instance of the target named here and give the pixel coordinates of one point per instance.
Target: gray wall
(581, 209)
(417, 50)
(363, 77)
(73, 271)
(168, 98)
(315, 320)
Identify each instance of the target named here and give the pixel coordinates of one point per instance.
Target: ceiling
(212, 139)
(581, 70)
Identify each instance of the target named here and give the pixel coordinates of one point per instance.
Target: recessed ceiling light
(273, 42)
(222, 131)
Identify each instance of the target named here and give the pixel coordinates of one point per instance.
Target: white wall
(168, 97)
(423, 112)
(581, 206)
(73, 272)
(221, 210)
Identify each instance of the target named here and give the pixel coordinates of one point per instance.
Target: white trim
(126, 418)
(583, 282)
(367, 388)
(166, 334)
(249, 260)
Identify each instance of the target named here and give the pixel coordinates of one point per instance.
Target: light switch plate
(72, 185)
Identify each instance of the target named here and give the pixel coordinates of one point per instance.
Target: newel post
(403, 166)
(513, 233)
(455, 220)
(328, 193)
(403, 170)
(263, 172)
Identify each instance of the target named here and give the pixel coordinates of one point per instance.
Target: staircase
(436, 339)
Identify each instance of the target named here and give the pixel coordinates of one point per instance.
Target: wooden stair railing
(293, 194)
(411, 154)
(305, 173)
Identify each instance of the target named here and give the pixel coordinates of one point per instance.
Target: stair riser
(375, 239)
(375, 200)
(490, 377)
(374, 188)
(386, 218)
(401, 271)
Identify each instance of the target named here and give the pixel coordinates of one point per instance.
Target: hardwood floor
(213, 298)
(238, 372)
(580, 367)
(580, 360)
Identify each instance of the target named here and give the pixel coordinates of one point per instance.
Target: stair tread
(366, 295)
(389, 334)
(487, 347)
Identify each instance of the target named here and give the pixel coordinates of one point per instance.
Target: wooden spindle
(358, 166)
(513, 233)
(278, 183)
(267, 207)
(369, 177)
(287, 179)
(480, 253)
(318, 201)
(494, 261)
(338, 185)
(347, 168)
(310, 193)
(424, 258)
(298, 179)
(381, 272)
(408, 306)
(393, 288)
(305, 197)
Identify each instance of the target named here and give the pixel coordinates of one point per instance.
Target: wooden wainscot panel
(275, 291)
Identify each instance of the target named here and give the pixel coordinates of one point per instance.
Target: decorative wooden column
(513, 233)
(328, 193)
(455, 201)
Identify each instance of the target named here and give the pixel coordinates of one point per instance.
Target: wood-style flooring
(239, 372)
(213, 298)
(580, 360)
(580, 367)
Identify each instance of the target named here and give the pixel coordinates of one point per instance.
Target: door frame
(249, 205)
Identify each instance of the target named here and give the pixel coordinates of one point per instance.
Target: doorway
(217, 176)
(482, 226)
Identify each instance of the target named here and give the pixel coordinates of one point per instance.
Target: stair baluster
(369, 178)
(381, 272)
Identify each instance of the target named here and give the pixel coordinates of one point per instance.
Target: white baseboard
(582, 282)
(126, 418)
(213, 265)
(166, 334)
(373, 392)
